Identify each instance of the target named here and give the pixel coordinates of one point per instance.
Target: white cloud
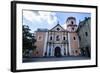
(29, 15)
(64, 26)
(41, 17)
(49, 17)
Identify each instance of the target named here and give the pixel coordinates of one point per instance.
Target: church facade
(58, 41)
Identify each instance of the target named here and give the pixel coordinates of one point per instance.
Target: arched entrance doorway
(57, 52)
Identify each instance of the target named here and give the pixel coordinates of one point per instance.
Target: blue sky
(47, 19)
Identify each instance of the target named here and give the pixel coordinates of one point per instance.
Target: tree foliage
(28, 39)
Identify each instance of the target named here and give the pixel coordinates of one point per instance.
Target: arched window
(73, 28)
(63, 38)
(86, 33)
(64, 51)
(79, 38)
(76, 51)
(39, 38)
(51, 38)
(37, 52)
(74, 38)
(57, 38)
(72, 22)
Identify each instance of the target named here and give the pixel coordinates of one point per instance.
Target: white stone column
(48, 50)
(69, 43)
(66, 49)
(51, 49)
(45, 44)
(62, 50)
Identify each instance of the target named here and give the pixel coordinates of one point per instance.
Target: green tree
(28, 40)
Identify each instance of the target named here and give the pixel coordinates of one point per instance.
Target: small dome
(71, 18)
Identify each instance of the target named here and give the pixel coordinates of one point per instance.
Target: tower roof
(42, 30)
(71, 18)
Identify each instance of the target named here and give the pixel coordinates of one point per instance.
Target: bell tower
(71, 24)
(73, 41)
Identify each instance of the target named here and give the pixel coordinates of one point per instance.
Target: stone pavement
(44, 59)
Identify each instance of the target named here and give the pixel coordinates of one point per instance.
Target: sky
(47, 19)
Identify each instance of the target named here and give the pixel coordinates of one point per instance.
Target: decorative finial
(58, 22)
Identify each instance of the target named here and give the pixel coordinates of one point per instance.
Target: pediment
(58, 27)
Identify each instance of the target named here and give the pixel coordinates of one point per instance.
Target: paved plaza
(44, 59)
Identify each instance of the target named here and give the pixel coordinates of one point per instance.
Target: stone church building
(58, 41)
